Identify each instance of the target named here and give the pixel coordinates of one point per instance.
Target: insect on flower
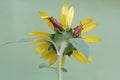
(76, 46)
(77, 30)
(56, 23)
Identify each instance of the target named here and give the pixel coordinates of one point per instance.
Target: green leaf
(44, 65)
(80, 45)
(64, 69)
(51, 48)
(69, 49)
(52, 36)
(68, 34)
(23, 40)
(69, 53)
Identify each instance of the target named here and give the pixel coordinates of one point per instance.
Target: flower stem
(63, 45)
(59, 69)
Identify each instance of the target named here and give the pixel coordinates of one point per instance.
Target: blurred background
(18, 61)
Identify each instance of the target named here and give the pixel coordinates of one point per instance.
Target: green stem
(63, 45)
(60, 51)
(59, 69)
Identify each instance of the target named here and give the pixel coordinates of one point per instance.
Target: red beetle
(56, 23)
(77, 30)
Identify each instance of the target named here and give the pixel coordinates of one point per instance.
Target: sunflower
(63, 32)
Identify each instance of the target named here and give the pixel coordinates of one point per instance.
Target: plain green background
(18, 61)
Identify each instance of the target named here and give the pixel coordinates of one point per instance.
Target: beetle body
(77, 30)
(56, 23)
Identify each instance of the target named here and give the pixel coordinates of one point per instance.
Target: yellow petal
(63, 15)
(86, 21)
(79, 56)
(38, 49)
(90, 59)
(63, 61)
(65, 8)
(49, 24)
(40, 34)
(36, 41)
(41, 47)
(53, 59)
(70, 16)
(91, 39)
(89, 27)
(44, 15)
(44, 53)
(47, 55)
(45, 33)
